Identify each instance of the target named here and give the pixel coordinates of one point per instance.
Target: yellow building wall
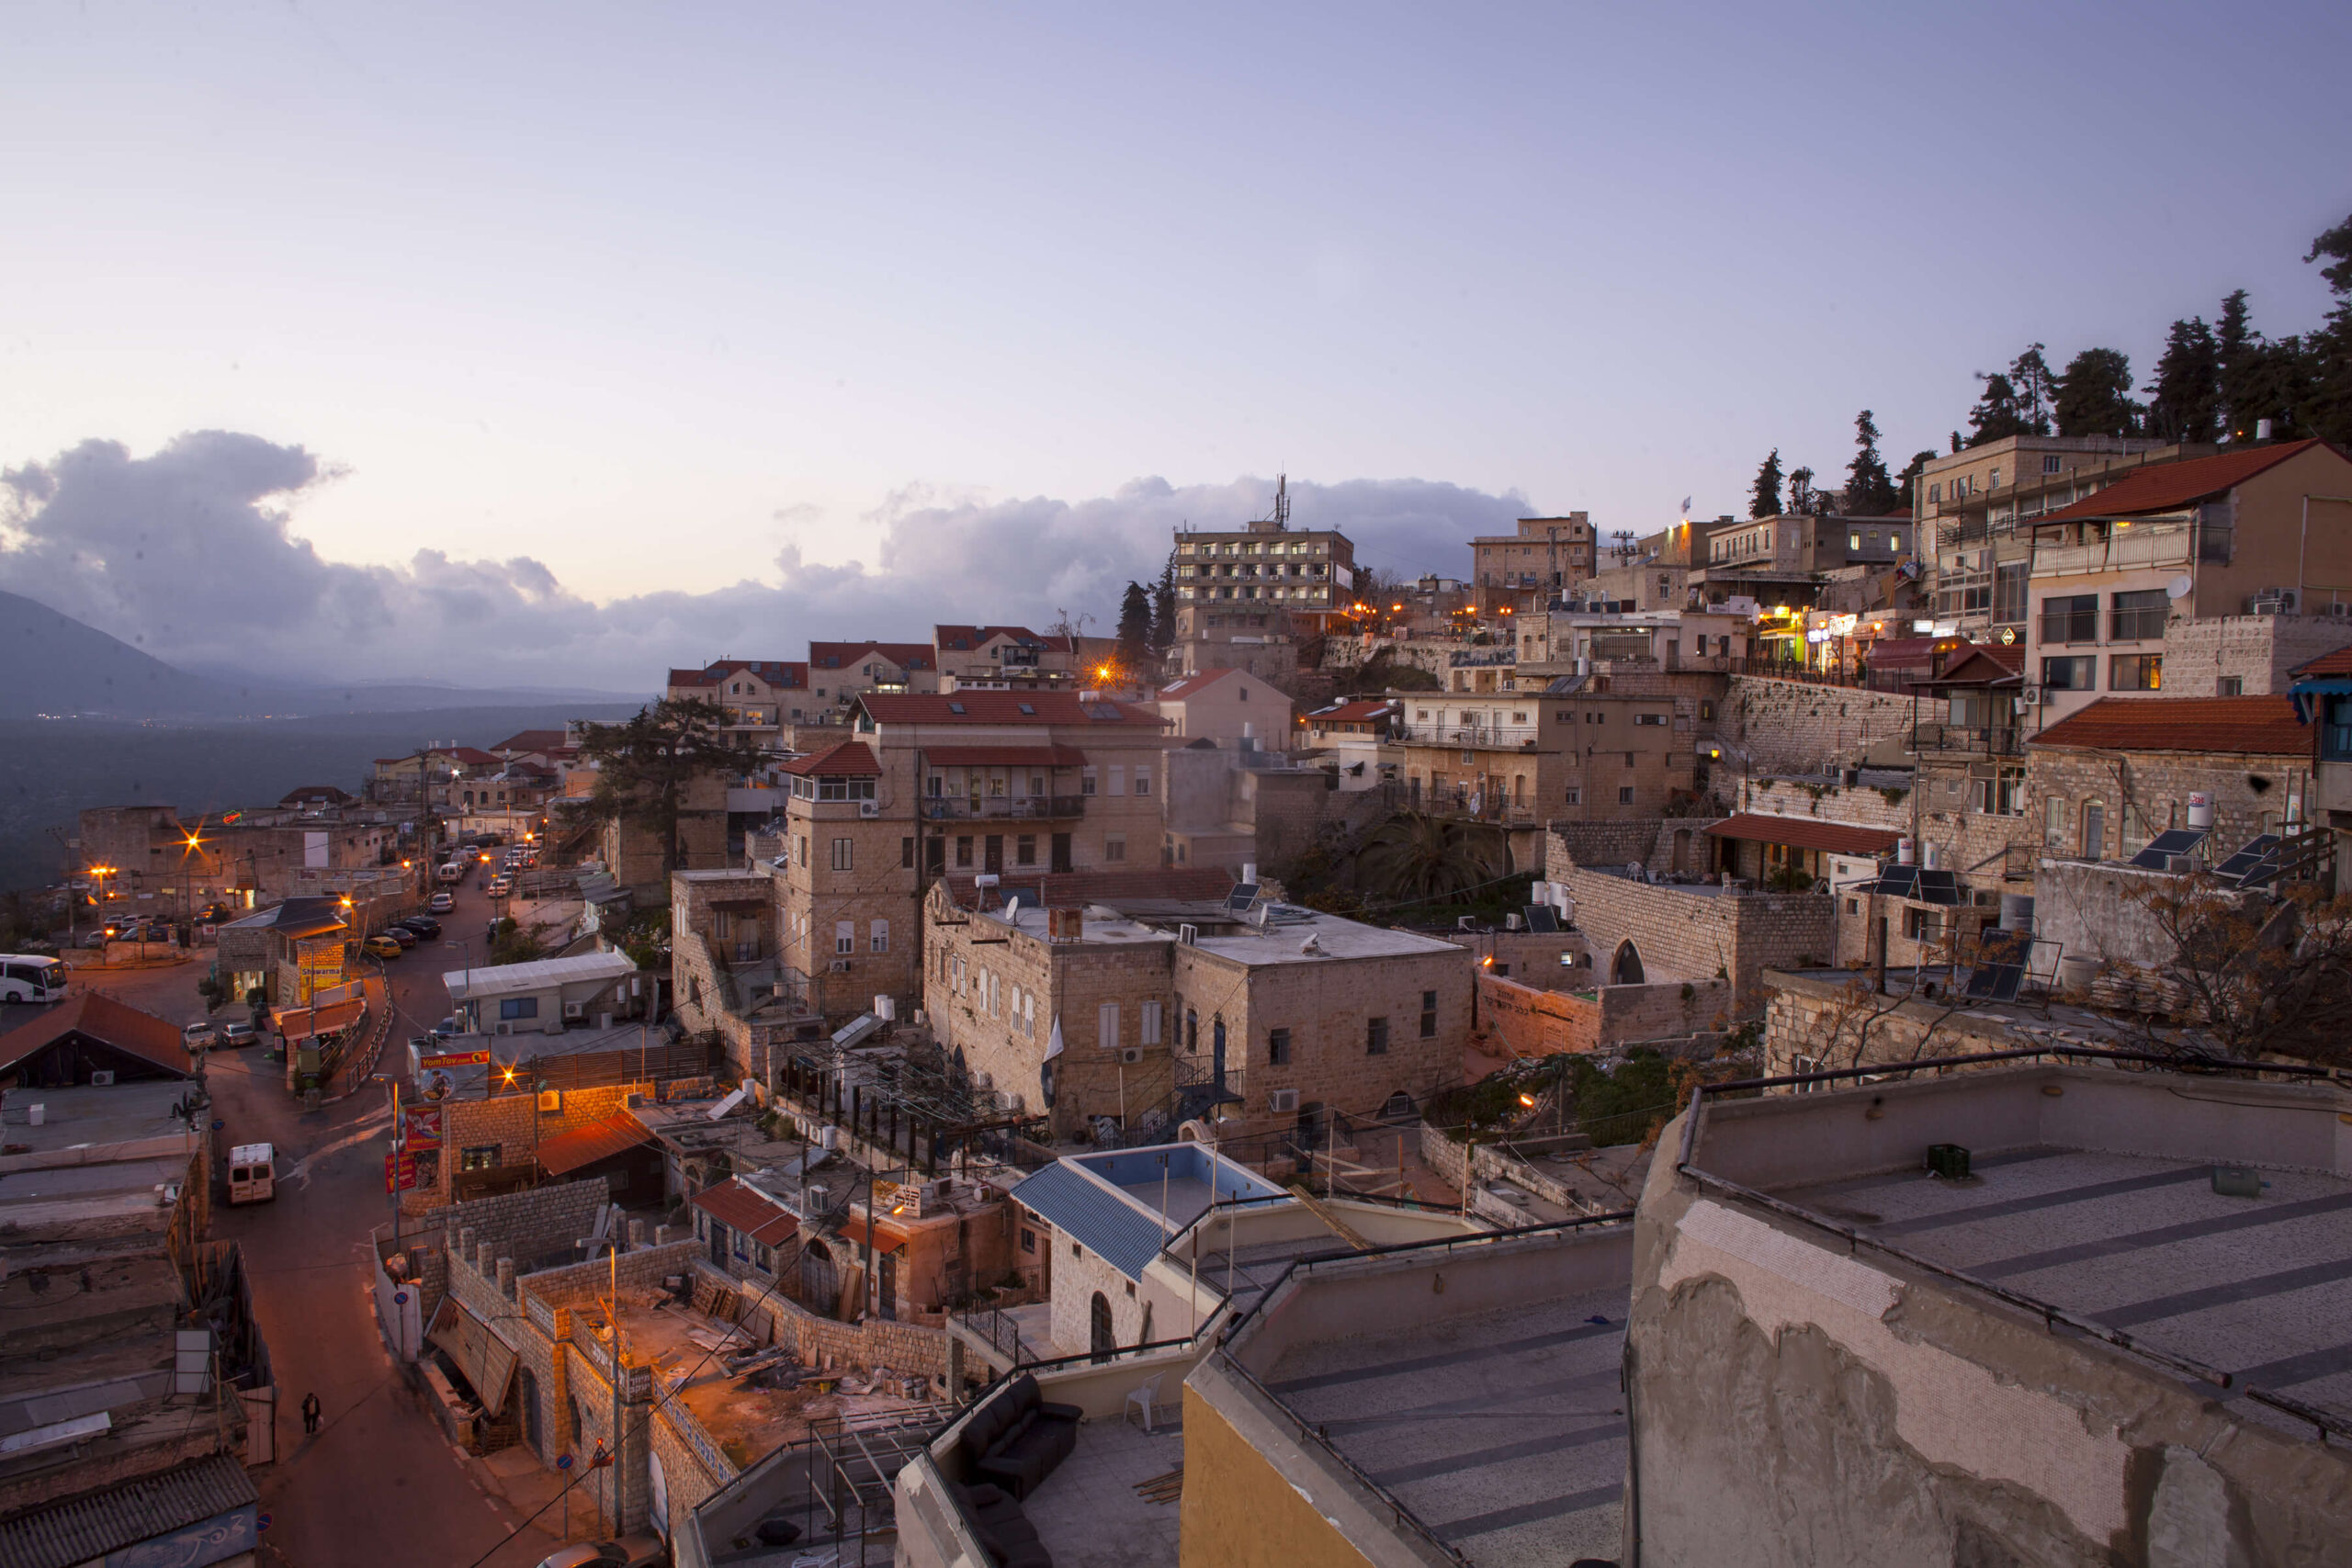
(1239, 1512)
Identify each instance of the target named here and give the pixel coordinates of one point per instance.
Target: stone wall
(1791, 726)
(909, 1349)
(2256, 651)
(514, 1126)
(524, 1225)
(1292, 810)
(1815, 1023)
(2144, 792)
(1531, 1022)
(1696, 933)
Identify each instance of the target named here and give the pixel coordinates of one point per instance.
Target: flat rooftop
(2094, 1189)
(2142, 1242)
(1500, 1425)
(93, 1118)
(1334, 935)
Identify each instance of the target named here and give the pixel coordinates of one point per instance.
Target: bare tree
(2247, 975)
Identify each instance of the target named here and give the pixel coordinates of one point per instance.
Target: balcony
(1968, 740)
(1472, 738)
(1002, 807)
(2128, 549)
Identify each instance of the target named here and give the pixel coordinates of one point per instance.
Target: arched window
(1627, 969)
(1102, 1337)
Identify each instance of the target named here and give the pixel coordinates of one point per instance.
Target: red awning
(854, 1232)
(1805, 833)
(598, 1140)
(1004, 756)
(739, 1208)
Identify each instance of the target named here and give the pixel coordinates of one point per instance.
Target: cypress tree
(2183, 402)
(1764, 499)
(1869, 492)
(1907, 486)
(1163, 607)
(2035, 387)
(2325, 403)
(1134, 628)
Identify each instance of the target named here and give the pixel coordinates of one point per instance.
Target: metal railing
(2052, 1315)
(1972, 740)
(1002, 807)
(1001, 1333)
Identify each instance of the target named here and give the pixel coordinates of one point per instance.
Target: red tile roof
(1004, 756)
(846, 655)
(1984, 665)
(586, 1144)
(738, 1207)
(1361, 711)
(850, 759)
(966, 638)
(2336, 663)
(101, 1018)
(2252, 727)
(1000, 707)
(2169, 486)
(1199, 681)
(1805, 833)
(788, 672)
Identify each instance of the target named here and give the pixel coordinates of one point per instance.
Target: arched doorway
(1682, 849)
(527, 1390)
(1101, 1338)
(1627, 969)
(820, 1283)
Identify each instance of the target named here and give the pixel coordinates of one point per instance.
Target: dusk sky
(626, 303)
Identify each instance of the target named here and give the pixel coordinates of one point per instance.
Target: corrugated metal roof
(747, 1210)
(1805, 833)
(1092, 1216)
(597, 1140)
(96, 1523)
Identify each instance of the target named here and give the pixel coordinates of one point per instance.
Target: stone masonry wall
(1540, 1023)
(1790, 725)
(1682, 933)
(1813, 1024)
(2256, 650)
(2144, 792)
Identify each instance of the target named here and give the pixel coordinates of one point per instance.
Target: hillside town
(1270, 1079)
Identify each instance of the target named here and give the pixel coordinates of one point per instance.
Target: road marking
(367, 1127)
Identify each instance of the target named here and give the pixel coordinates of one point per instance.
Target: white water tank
(2201, 809)
(1935, 856)
(886, 1009)
(1249, 871)
(1902, 852)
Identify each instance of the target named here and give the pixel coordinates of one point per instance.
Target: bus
(253, 1173)
(27, 977)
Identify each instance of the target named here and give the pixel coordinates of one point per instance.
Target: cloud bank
(190, 554)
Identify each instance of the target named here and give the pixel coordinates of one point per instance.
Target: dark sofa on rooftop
(1010, 1444)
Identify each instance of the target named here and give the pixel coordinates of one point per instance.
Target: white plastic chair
(1143, 1397)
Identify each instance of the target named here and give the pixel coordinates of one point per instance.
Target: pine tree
(2036, 385)
(1996, 416)
(1134, 628)
(2095, 395)
(1802, 500)
(1869, 492)
(2183, 402)
(1764, 499)
(1907, 484)
(1163, 608)
(2325, 407)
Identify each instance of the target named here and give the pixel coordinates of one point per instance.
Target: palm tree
(1415, 855)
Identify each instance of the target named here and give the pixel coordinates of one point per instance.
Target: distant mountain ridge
(53, 665)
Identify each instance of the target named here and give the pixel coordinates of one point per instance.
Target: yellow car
(380, 947)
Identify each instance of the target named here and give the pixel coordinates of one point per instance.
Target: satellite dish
(2180, 586)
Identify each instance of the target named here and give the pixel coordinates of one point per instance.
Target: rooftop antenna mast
(1281, 501)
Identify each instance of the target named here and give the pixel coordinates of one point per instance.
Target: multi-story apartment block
(986, 657)
(1967, 506)
(839, 673)
(1529, 568)
(1242, 594)
(954, 783)
(760, 695)
(1566, 752)
(2262, 530)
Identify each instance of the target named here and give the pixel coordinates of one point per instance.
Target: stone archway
(1625, 969)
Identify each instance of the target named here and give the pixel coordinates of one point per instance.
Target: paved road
(380, 1483)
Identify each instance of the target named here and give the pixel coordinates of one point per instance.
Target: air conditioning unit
(102, 1077)
(550, 1100)
(1188, 935)
(869, 808)
(2031, 696)
(2274, 602)
(841, 966)
(575, 1010)
(503, 1028)
(1283, 1100)
(1131, 1055)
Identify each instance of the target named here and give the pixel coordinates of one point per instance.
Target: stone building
(987, 657)
(761, 695)
(1566, 751)
(1242, 593)
(2103, 783)
(1530, 567)
(1229, 707)
(839, 673)
(2231, 656)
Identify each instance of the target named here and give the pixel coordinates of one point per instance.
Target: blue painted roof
(1098, 1220)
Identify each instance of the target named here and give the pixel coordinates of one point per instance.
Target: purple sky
(644, 299)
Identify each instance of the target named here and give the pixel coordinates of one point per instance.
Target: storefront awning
(487, 1360)
(1805, 833)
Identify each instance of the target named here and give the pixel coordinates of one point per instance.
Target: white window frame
(844, 938)
(1150, 1023)
(878, 936)
(1106, 1026)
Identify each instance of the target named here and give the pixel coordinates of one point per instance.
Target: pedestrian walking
(310, 1414)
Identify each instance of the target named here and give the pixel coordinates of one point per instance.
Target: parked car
(238, 1032)
(200, 1035)
(633, 1552)
(380, 947)
(442, 903)
(401, 934)
(423, 925)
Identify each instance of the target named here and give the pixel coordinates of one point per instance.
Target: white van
(253, 1173)
(27, 977)
(452, 873)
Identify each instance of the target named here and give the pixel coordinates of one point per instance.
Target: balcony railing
(1002, 807)
(1968, 740)
(2129, 548)
(1489, 738)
